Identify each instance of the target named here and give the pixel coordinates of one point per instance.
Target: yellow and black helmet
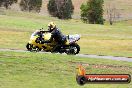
(52, 26)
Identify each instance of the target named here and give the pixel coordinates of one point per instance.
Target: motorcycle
(70, 47)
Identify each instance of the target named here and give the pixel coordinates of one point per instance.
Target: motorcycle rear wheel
(73, 49)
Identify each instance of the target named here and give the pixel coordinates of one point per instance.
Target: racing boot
(56, 49)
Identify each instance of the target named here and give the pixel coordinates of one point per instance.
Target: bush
(7, 3)
(31, 5)
(63, 9)
(92, 12)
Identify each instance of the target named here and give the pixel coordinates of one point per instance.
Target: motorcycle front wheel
(29, 47)
(32, 48)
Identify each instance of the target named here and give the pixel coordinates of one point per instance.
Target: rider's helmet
(51, 26)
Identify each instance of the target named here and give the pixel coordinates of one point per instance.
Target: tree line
(91, 11)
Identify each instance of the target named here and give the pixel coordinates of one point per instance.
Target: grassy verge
(116, 40)
(37, 70)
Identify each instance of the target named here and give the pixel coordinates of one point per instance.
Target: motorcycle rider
(57, 35)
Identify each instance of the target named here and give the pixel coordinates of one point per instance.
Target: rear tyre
(73, 49)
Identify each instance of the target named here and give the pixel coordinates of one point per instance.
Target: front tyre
(73, 49)
(29, 47)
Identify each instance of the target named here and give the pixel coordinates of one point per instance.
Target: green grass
(38, 70)
(116, 40)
